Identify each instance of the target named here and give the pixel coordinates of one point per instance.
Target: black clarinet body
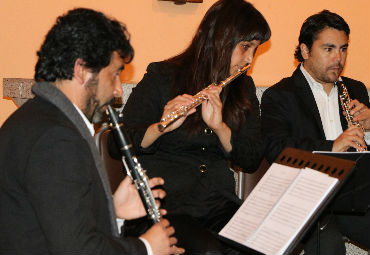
(133, 168)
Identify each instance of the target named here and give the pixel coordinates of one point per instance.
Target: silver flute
(134, 169)
(198, 99)
(344, 101)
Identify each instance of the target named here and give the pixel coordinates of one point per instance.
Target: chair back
(115, 169)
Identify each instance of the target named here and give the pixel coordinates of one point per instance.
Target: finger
(164, 223)
(158, 203)
(353, 133)
(163, 211)
(351, 130)
(176, 250)
(173, 240)
(357, 110)
(124, 185)
(356, 142)
(356, 106)
(184, 100)
(353, 103)
(213, 88)
(364, 114)
(178, 101)
(215, 92)
(159, 193)
(360, 141)
(187, 97)
(191, 111)
(215, 101)
(156, 181)
(204, 95)
(356, 145)
(170, 230)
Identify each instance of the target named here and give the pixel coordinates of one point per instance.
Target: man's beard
(331, 79)
(99, 112)
(94, 111)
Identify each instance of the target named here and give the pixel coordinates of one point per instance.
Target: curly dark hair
(315, 24)
(81, 33)
(226, 23)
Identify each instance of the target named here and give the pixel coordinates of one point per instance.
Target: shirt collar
(89, 125)
(311, 81)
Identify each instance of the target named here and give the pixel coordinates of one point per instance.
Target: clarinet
(198, 99)
(134, 169)
(344, 101)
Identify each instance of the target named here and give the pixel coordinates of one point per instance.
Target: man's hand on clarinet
(161, 239)
(127, 202)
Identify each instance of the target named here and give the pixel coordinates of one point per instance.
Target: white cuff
(367, 138)
(120, 223)
(147, 245)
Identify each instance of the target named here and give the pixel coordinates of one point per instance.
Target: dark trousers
(196, 235)
(348, 214)
(333, 229)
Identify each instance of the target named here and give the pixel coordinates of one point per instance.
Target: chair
(245, 182)
(115, 169)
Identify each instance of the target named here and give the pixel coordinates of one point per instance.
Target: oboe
(134, 169)
(198, 99)
(344, 101)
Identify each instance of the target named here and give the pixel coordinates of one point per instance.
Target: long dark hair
(207, 59)
(81, 33)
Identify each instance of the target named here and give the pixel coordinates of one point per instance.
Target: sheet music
(257, 205)
(291, 213)
(278, 208)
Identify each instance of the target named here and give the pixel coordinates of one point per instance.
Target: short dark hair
(81, 33)
(315, 24)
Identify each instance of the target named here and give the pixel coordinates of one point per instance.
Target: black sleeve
(145, 105)
(62, 189)
(278, 124)
(143, 108)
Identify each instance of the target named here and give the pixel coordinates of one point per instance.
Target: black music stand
(339, 168)
(354, 196)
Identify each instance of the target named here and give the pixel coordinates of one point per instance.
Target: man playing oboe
(303, 111)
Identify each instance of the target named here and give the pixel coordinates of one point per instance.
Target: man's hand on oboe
(360, 113)
(127, 202)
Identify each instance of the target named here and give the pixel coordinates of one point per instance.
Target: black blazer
(195, 169)
(290, 117)
(53, 193)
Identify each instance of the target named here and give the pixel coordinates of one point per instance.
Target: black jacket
(290, 117)
(54, 194)
(179, 158)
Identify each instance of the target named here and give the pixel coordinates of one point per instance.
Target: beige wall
(162, 29)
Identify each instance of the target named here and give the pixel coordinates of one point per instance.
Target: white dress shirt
(120, 222)
(328, 107)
